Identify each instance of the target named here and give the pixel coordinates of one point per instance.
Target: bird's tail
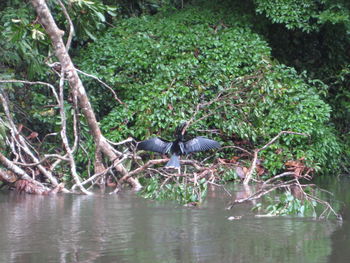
(174, 162)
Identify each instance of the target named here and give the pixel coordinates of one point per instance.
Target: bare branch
(236, 147)
(21, 141)
(256, 152)
(121, 142)
(71, 26)
(18, 171)
(103, 83)
(33, 83)
(279, 134)
(144, 167)
(65, 139)
(278, 177)
(95, 176)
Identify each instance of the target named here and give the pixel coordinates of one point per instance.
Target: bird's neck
(180, 137)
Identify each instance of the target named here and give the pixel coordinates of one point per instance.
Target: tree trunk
(76, 85)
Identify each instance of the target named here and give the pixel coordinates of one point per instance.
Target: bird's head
(180, 129)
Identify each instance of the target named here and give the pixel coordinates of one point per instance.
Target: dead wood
(252, 168)
(294, 186)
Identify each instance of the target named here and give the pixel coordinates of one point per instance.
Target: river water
(127, 228)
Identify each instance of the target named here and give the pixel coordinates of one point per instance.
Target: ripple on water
(126, 228)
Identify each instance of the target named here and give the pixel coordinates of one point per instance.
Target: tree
(80, 98)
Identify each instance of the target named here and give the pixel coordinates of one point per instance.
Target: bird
(180, 146)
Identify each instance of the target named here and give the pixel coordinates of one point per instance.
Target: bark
(65, 138)
(7, 177)
(76, 85)
(18, 171)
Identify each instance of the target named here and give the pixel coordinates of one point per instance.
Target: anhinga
(178, 147)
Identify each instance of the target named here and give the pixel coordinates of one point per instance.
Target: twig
(277, 177)
(144, 167)
(223, 187)
(103, 83)
(71, 26)
(261, 193)
(278, 135)
(41, 161)
(235, 147)
(256, 152)
(65, 139)
(121, 142)
(32, 83)
(90, 179)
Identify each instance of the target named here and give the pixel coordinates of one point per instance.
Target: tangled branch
(275, 183)
(252, 168)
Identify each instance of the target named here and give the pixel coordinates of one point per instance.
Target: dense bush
(307, 15)
(313, 36)
(163, 66)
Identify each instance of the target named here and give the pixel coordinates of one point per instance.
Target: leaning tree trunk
(76, 85)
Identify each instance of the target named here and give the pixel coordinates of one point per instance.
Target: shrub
(163, 66)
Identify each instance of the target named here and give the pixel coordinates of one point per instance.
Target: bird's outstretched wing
(155, 145)
(199, 144)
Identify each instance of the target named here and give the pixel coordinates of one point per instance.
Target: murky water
(127, 228)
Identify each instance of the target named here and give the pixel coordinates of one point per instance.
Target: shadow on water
(340, 238)
(127, 228)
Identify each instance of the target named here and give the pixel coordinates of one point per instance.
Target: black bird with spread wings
(178, 147)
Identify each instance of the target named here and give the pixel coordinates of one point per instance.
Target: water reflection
(125, 228)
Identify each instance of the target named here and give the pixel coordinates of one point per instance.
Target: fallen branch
(18, 171)
(22, 144)
(271, 185)
(252, 168)
(95, 176)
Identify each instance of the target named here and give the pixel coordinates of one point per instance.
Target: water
(127, 228)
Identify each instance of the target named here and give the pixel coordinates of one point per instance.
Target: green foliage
(293, 13)
(180, 191)
(295, 105)
(24, 43)
(138, 7)
(317, 42)
(154, 57)
(165, 65)
(88, 17)
(287, 204)
(307, 15)
(227, 175)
